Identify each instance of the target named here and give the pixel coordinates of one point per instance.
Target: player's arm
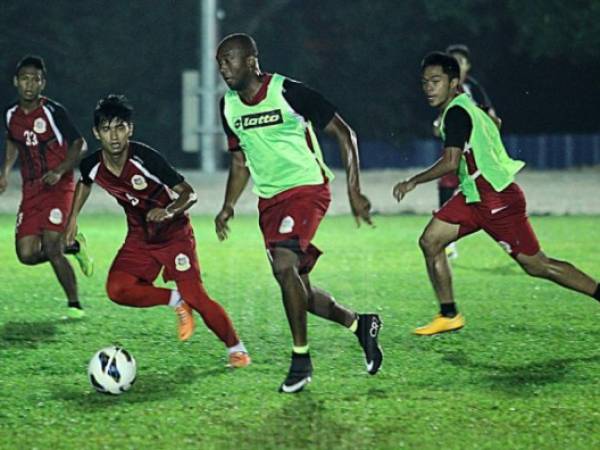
(74, 152)
(347, 142)
(82, 192)
(10, 157)
(458, 131)
(186, 198)
(77, 145)
(236, 182)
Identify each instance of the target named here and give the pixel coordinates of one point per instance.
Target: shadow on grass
(27, 334)
(149, 387)
(302, 422)
(520, 379)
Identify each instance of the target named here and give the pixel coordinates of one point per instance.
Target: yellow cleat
(239, 360)
(185, 324)
(441, 324)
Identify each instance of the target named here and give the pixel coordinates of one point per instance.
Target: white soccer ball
(112, 370)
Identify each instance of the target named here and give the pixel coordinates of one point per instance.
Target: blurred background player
(269, 121)
(488, 200)
(155, 198)
(48, 145)
(448, 184)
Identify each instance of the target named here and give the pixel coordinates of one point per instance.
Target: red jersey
(42, 138)
(144, 183)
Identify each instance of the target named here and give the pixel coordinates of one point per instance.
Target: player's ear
(130, 129)
(15, 82)
(454, 83)
(96, 134)
(43, 84)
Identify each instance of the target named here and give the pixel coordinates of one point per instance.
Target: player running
(155, 198)
(489, 199)
(40, 133)
(269, 121)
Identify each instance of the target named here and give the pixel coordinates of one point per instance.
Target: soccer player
(448, 183)
(269, 122)
(40, 133)
(489, 199)
(155, 198)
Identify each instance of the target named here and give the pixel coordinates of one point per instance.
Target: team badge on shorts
(39, 126)
(56, 216)
(286, 225)
(182, 262)
(138, 182)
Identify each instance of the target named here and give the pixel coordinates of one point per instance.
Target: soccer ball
(112, 370)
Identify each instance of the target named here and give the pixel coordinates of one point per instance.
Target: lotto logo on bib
(257, 120)
(182, 262)
(286, 225)
(56, 216)
(39, 126)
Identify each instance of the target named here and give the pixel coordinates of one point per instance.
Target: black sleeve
(86, 166)
(233, 142)
(480, 95)
(457, 127)
(156, 164)
(64, 123)
(308, 103)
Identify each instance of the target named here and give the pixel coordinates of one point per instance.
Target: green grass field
(523, 373)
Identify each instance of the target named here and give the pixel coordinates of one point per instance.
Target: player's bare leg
(284, 263)
(436, 236)
(561, 272)
(52, 245)
(365, 326)
(29, 250)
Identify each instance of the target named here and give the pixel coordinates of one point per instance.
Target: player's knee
(429, 244)
(115, 290)
(28, 257)
(536, 269)
(284, 270)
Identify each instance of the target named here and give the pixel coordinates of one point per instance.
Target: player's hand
(51, 177)
(3, 183)
(158, 215)
(221, 227)
(70, 232)
(361, 207)
(403, 188)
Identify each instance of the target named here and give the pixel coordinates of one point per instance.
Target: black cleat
(367, 332)
(299, 375)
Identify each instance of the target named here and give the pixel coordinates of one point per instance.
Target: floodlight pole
(207, 42)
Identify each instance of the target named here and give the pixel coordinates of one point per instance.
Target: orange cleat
(441, 324)
(185, 320)
(239, 360)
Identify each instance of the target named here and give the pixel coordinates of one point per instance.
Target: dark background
(539, 60)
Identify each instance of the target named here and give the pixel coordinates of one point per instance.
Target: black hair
(448, 63)
(113, 106)
(245, 41)
(459, 48)
(31, 61)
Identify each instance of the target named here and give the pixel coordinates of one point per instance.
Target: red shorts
(502, 215)
(291, 219)
(145, 261)
(44, 211)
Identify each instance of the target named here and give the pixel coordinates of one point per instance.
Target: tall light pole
(207, 42)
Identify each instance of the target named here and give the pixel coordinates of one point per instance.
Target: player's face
(30, 83)
(114, 135)
(438, 88)
(234, 66)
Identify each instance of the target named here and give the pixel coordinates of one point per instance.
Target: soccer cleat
(441, 324)
(239, 360)
(75, 313)
(452, 251)
(299, 375)
(185, 321)
(86, 264)
(367, 332)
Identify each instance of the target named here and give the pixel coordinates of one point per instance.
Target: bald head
(241, 41)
